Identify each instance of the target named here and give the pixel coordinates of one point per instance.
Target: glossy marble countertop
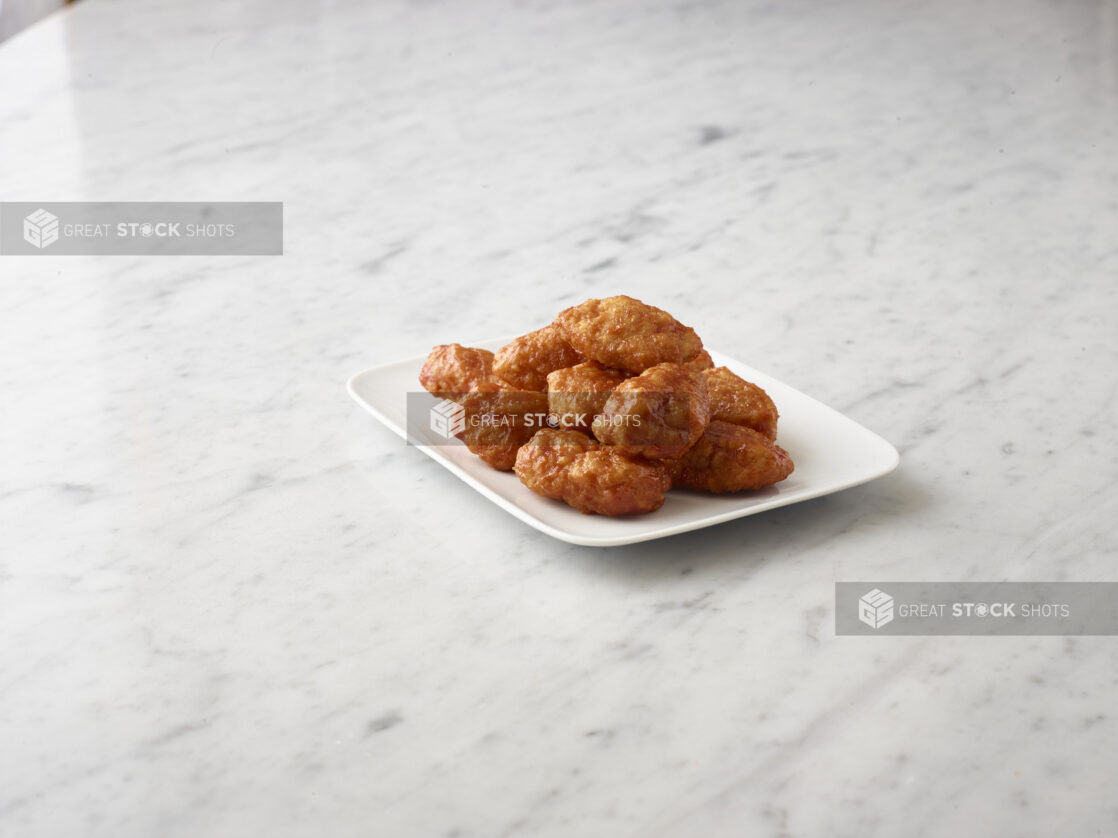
(232, 604)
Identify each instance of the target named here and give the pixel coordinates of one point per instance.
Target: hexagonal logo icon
(875, 609)
(40, 228)
(448, 418)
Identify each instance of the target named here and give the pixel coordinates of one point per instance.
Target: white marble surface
(231, 604)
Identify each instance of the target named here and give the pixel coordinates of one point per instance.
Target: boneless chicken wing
(594, 479)
(577, 394)
(452, 369)
(731, 458)
(740, 402)
(526, 361)
(624, 333)
(660, 413)
(498, 422)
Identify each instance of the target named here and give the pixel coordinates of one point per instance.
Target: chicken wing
(731, 458)
(593, 478)
(660, 413)
(452, 369)
(497, 423)
(577, 394)
(740, 402)
(526, 361)
(624, 333)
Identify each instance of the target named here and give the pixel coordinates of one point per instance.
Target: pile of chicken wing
(609, 407)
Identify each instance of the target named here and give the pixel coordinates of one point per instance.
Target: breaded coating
(658, 414)
(577, 394)
(702, 361)
(453, 369)
(624, 333)
(499, 422)
(594, 479)
(526, 361)
(740, 402)
(731, 458)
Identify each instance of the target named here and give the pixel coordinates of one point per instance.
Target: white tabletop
(233, 604)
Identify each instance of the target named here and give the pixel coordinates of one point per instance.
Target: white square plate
(831, 453)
